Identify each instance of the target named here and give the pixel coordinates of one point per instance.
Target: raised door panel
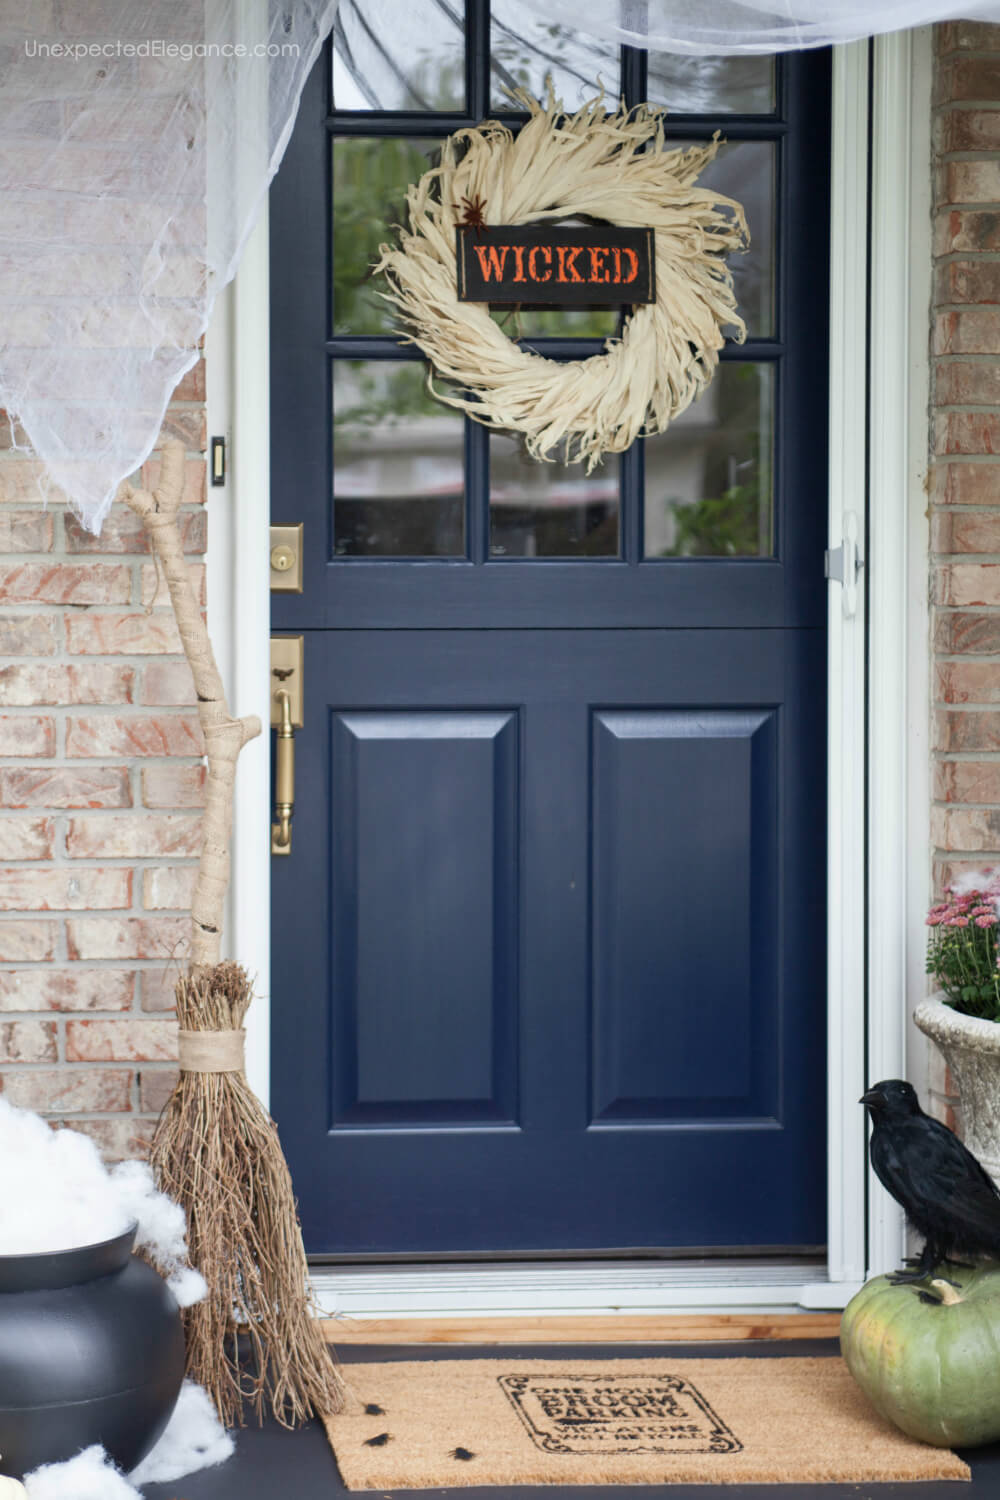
(423, 833)
(686, 905)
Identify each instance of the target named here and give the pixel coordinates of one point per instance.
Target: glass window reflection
(398, 57)
(550, 509)
(398, 464)
(709, 477)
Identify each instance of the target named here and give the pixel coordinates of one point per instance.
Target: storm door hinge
(843, 564)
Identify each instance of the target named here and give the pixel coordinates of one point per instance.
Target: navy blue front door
(548, 952)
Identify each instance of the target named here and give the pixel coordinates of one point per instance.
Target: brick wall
(965, 471)
(100, 790)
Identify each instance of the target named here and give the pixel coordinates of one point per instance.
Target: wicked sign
(536, 265)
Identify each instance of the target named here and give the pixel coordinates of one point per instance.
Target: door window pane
(550, 509)
(399, 57)
(370, 178)
(398, 464)
(527, 47)
(711, 85)
(709, 481)
(745, 170)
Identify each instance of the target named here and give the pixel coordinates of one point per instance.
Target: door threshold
(572, 1290)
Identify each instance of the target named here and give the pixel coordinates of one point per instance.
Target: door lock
(286, 559)
(287, 668)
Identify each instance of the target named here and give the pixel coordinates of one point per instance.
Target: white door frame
(881, 439)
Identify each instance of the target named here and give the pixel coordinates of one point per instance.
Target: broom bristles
(216, 1152)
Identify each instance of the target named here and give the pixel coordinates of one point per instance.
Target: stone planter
(971, 1048)
(91, 1351)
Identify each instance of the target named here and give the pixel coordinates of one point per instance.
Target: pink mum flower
(959, 922)
(986, 921)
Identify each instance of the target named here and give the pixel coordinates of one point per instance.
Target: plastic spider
(475, 208)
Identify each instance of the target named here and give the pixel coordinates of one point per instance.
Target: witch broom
(216, 1150)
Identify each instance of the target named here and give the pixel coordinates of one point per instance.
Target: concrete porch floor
(271, 1464)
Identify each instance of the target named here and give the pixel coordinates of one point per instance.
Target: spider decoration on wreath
(475, 209)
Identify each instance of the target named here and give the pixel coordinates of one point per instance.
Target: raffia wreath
(610, 167)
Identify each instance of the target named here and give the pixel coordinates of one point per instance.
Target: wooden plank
(682, 1328)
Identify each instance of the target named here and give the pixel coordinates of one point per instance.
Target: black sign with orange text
(539, 266)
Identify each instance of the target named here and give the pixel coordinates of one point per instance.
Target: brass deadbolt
(282, 558)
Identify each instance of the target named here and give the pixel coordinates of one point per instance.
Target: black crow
(947, 1195)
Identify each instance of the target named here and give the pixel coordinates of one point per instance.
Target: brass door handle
(284, 777)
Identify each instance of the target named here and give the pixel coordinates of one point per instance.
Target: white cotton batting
(56, 1193)
(194, 1439)
(89, 1476)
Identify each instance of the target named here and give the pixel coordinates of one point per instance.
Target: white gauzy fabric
(704, 28)
(137, 139)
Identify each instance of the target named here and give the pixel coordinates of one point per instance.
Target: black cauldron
(91, 1351)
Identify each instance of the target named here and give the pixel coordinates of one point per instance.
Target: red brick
(27, 735)
(965, 531)
(958, 384)
(968, 682)
(138, 734)
(28, 635)
(27, 942)
(127, 1138)
(27, 838)
(122, 635)
(967, 781)
(123, 531)
(169, 888)
(194, 478)
(65, 890)
(158, 988)
(968, 130)
(67, 1090)
(56, 786)
(65, 583)
(28, 1042)
(965, 484)
(134, 836)
(971, 78)
(155, 1087)
(26, 531)
(168, 683)
(25, 686)
(968, 731)
(186, 423)
(967, 432)
(968, 281)
(153, 588)
(962, 583)
(121, 1041)
(958, 230)
(128, 937)
(969, 330)
(962, 634)
(967, 36)
(66, 989)
(963, 828)
(192, 385)
(181, 786)
(947, 871)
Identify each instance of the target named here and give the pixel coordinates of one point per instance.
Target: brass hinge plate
(286, 559)
(287, 671)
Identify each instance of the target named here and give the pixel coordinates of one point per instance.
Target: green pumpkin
(931, 1367)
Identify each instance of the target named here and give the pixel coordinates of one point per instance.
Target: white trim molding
(846, 669)
(898, 792)
(888, 412)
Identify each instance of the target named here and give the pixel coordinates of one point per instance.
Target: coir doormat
(438, 1423)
